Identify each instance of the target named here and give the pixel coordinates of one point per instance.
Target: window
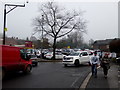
(84, 54)
(74, 54)
(90, 53)
(23, 54)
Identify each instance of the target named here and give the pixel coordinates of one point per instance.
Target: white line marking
(74, 82)
(85, 82)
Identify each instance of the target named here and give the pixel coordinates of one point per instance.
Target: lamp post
(5, 13)
(42, 36)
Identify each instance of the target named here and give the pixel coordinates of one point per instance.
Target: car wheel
(77, 63)
(28, 69)
(36, 64)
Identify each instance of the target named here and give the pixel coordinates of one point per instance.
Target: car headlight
(64, 57)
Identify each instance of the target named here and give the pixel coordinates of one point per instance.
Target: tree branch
(66, 32)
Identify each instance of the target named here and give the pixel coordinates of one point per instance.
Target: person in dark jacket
(105, 64)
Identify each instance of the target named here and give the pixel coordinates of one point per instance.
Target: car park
(76, 58)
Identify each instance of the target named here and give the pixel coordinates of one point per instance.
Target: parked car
(49, 55)
(76, 58)
(67, 51)
(34, 52)
(34, 60)
(112, 55)
(14, 59)
(118, 60)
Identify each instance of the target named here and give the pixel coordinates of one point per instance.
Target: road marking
(85, 82)
(74, 82)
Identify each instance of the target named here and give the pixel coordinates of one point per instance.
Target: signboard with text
(28, 44)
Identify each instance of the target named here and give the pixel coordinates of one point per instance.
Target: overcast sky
(102, 17)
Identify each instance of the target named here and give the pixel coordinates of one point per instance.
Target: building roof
(102, 42)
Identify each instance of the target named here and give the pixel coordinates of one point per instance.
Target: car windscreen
(74, 54)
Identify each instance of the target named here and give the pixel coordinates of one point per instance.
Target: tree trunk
(54, 48)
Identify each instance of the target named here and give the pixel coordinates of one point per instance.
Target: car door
(60, 56)
(57, 55)
(84, 57)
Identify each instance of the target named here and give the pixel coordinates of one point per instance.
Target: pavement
(112, 81)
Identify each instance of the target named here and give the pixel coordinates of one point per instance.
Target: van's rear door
(10, 58)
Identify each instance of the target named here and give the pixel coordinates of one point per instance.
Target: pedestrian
(105, 64)
(100, 55)
(94, 64)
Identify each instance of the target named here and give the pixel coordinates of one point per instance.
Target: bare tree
(91, 41)
(58, 22)
(77, 39)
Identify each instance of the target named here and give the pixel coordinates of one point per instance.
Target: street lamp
(42, 36)
(4, 28)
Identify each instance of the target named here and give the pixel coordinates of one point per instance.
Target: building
(102, 44)
(10, 41)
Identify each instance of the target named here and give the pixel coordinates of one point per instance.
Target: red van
(14, 59)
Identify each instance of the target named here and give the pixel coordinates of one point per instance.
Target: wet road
(48, 75)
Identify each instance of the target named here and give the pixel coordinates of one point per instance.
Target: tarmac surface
(112, 81)
(91, 83)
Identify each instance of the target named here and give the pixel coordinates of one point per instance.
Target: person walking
(105, 64)
(94, 63)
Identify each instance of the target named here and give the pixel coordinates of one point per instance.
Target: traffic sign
(5, 29)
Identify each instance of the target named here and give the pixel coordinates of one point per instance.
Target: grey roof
(102, 42)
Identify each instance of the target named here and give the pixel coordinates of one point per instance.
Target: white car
(76, 58)
(91, 53)
(49, 55)
(34, 52)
